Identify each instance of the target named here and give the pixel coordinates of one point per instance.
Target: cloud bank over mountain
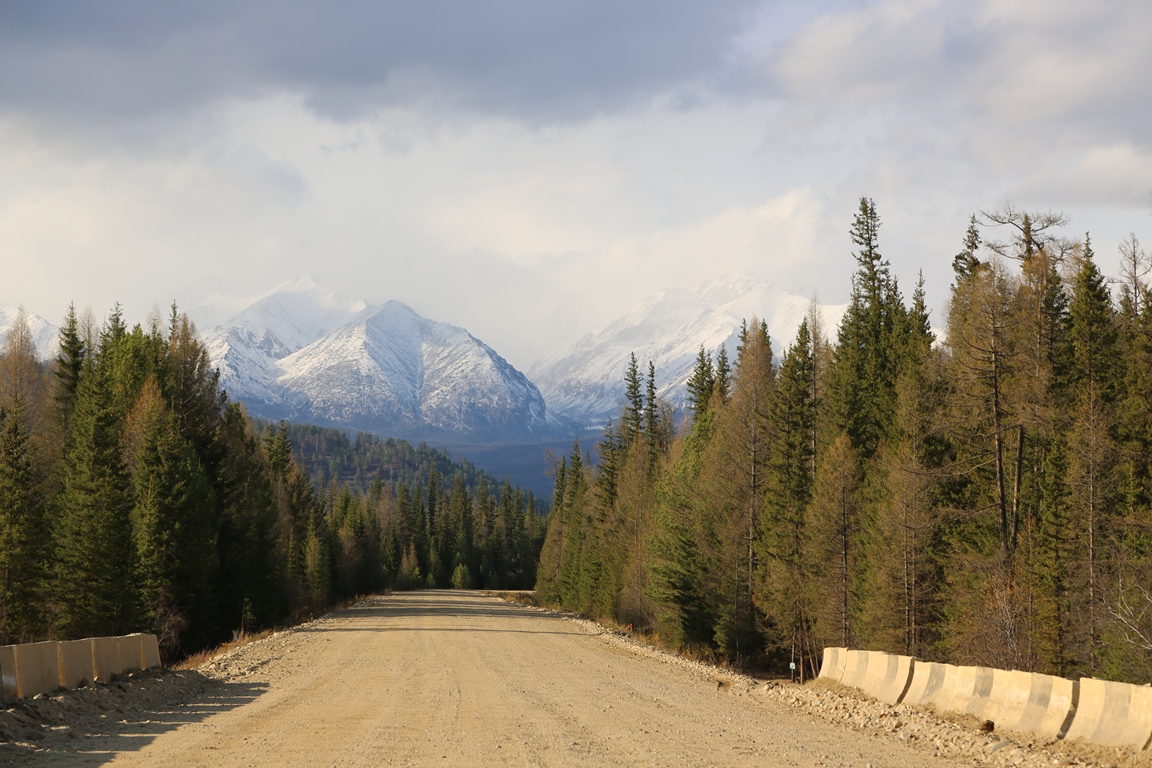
(528, 171)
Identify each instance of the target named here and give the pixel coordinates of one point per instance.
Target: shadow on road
(111, 720)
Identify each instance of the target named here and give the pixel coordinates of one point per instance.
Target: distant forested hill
(327, 453)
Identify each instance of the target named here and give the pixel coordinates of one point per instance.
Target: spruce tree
(23, 534)
(701, 383)
(786, 571)
(868, 353)
(965, 263)
(94, 565)
(176, 556)
(653, 431)
(633, 425)
(69, 364)
(723, 374)
(1093, 340)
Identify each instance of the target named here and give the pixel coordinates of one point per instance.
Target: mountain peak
(584, 382)
(304, 352)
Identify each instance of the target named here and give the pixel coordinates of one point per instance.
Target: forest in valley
(980, 498)
(134, 496)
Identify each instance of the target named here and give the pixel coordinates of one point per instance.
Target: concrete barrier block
(105, 658)
(927, 679)
(981, 697)
(855, 668)
(964, 690)
(832, 668)
(886, 677)
(37, 668)
(130, 651)
(1112, 714)
(151, 648)
(75, 662)
(1030, 703)
(9, 691)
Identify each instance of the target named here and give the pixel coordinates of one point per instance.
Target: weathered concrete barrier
(927, 681)
(150, 647)
(964, 690)
(105, 658)
(37, 668)
(130, 653)
(1113, 714)
(886, 677)
(31, 668)
(1031, 703)
(9, 690)
(832, 668)
(880, 675)
(76, 668)
(855, 668)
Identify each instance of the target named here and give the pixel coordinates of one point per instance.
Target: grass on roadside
(241, 638)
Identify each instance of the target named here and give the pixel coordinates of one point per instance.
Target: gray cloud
(542, 61)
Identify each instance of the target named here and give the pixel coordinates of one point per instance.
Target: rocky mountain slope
(584, 382)
(306, 354)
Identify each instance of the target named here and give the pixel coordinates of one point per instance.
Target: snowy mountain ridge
(584, 382)
(45, 335)
(304, 353)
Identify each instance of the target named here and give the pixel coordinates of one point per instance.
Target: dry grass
(239, 640)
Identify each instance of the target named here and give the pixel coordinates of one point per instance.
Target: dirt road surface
(447, 678)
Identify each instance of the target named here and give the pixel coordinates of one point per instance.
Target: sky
(532, 170)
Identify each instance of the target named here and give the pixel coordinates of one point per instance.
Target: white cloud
(530, 206)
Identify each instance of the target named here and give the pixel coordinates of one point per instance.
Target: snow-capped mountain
(585, 382)
(391, 369)
(45, 336)
(304, 353)
(282, 321)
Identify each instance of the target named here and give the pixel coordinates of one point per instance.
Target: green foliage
(23, 533)
(94, 557)
(172, 513)
(979, 500)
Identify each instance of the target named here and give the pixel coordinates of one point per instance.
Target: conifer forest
(135, 497)
(978, 496)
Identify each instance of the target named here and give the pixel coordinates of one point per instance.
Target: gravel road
(447, 678)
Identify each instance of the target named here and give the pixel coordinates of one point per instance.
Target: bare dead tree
(1135, 265)
(1029, 233)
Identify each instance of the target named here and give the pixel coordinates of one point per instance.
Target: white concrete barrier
(964, 690)
(886, 677)
(130, 652)
(37, 668)
(105, 658)
(855, 668)
(927, 681)
(1031, 703)
(882, 676)
(832, 668)
(31, 668)
(1112, 714)
(76, 668)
